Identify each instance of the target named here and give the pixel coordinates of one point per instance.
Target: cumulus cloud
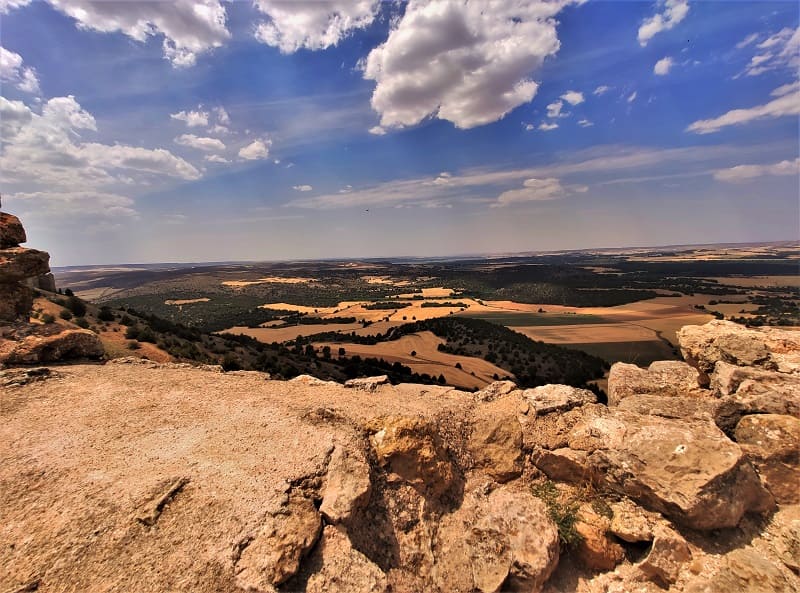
(554, 109)
(671, 12)
(663, 66)
(573, 97)
(601, 90)
(302, 188)
(312, 25)
(8, 5)
(70, 204)
(188, 27)
(193, 119)
(538, 190)
(546, 127)
(377, 131)
(47, 149)
(200, 143)
(779, 50)
(787, 103)
(13, 72)
(467, 62)
(742, 173)
(258, 149)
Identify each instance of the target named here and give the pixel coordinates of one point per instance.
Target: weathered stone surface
(557, 398)
(784, 532)
(563, 465)
(670, 378)
(495, 390)
(43, 282)
(347, 486)
(671, 406)
(341, 568)
(632, 523)
(505, 539)
(11, 231)
(274, 554)
(68, 344)
(745, 570)
(729, 379)
(16, 300)
(410, 450)
(772, 442)
(367, 383)
(18, 263)
(667, 558)
(596, 550)
(687, 470)
(496, 444)
(769, 348)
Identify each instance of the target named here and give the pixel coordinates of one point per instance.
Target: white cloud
(215, 158)
(742, 173)
(312, 25)
(663, 66)
(200, 143)
(467, 62)
(66, 205)
(601, 90)
(747, 41)
(537, 190)
(12, 71)
(222, 116)
(585, 123)
(377, 131)
(219, 129)
(192, 119)
(189, 27)
(529, 127)
(632, 97)
(8, 5)
(546, 127)
(573, 97)
(792, 87)
(554, 109)
(780, 50)
(47, 150)
(786, 104)
(672, 13)
(302, 188)
(258, 149)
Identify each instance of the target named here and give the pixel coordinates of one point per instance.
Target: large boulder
(505, 539)
(557, 398)
(339, 567)
(768, 348)
(669, 378)
(772, 442)
(19, 263)
(273, 555)
(16, 300)
(11, 231)
(347, 486)
(411, 451)
(64, 345)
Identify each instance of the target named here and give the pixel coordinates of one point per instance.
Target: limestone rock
(563, 465)
(274, 554)
(347, 487)
(64, 345)
(11, 231)
(773, 444)
(505, 539)
(784, 531)
(696, 408)
(19, 263)
(596, 549)
(367, 383)
(670, 378)
(743, 569)
(667, 557)
(496, 444)
(341, 568)
(495, 390)
(16, 301)
(411, 450)
(557, 398)
(768, 348)
(45, 282)
(632, 523)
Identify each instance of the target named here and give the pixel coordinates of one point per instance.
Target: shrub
(105, 314)
(134, 345)
(230, 362)
(82, 322)
(47, 318)
(77, 306)
(132, 332)
(563, 514)
(65, 314)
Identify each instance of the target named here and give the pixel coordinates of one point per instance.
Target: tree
(458, 365)
(341, 351)
(326, 352)
(77, 306)
(68, 292)
(413, 353)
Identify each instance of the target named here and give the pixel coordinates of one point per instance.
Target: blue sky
(202, 131)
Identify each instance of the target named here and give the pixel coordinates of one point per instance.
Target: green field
(534, 319)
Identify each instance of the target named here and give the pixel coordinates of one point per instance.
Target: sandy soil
(86, 453)
(588, 333)
(186, 301)
(268, 280)
(284, 334)
(438, 291)
(427, 360)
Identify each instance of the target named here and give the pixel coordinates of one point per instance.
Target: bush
(65, 314)
(105, 314)
(47, 318)
(82, 322)
(132, 332)
(77, 306)
(231, 363)
(134, 345)
(563, 514)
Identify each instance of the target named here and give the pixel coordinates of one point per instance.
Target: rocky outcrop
(772, 442)
(12, 233)
(669, 378)
(557, 398)
(51, 345)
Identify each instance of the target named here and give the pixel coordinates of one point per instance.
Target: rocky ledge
(135, 476)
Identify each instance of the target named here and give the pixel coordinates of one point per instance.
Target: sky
(193, 131)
